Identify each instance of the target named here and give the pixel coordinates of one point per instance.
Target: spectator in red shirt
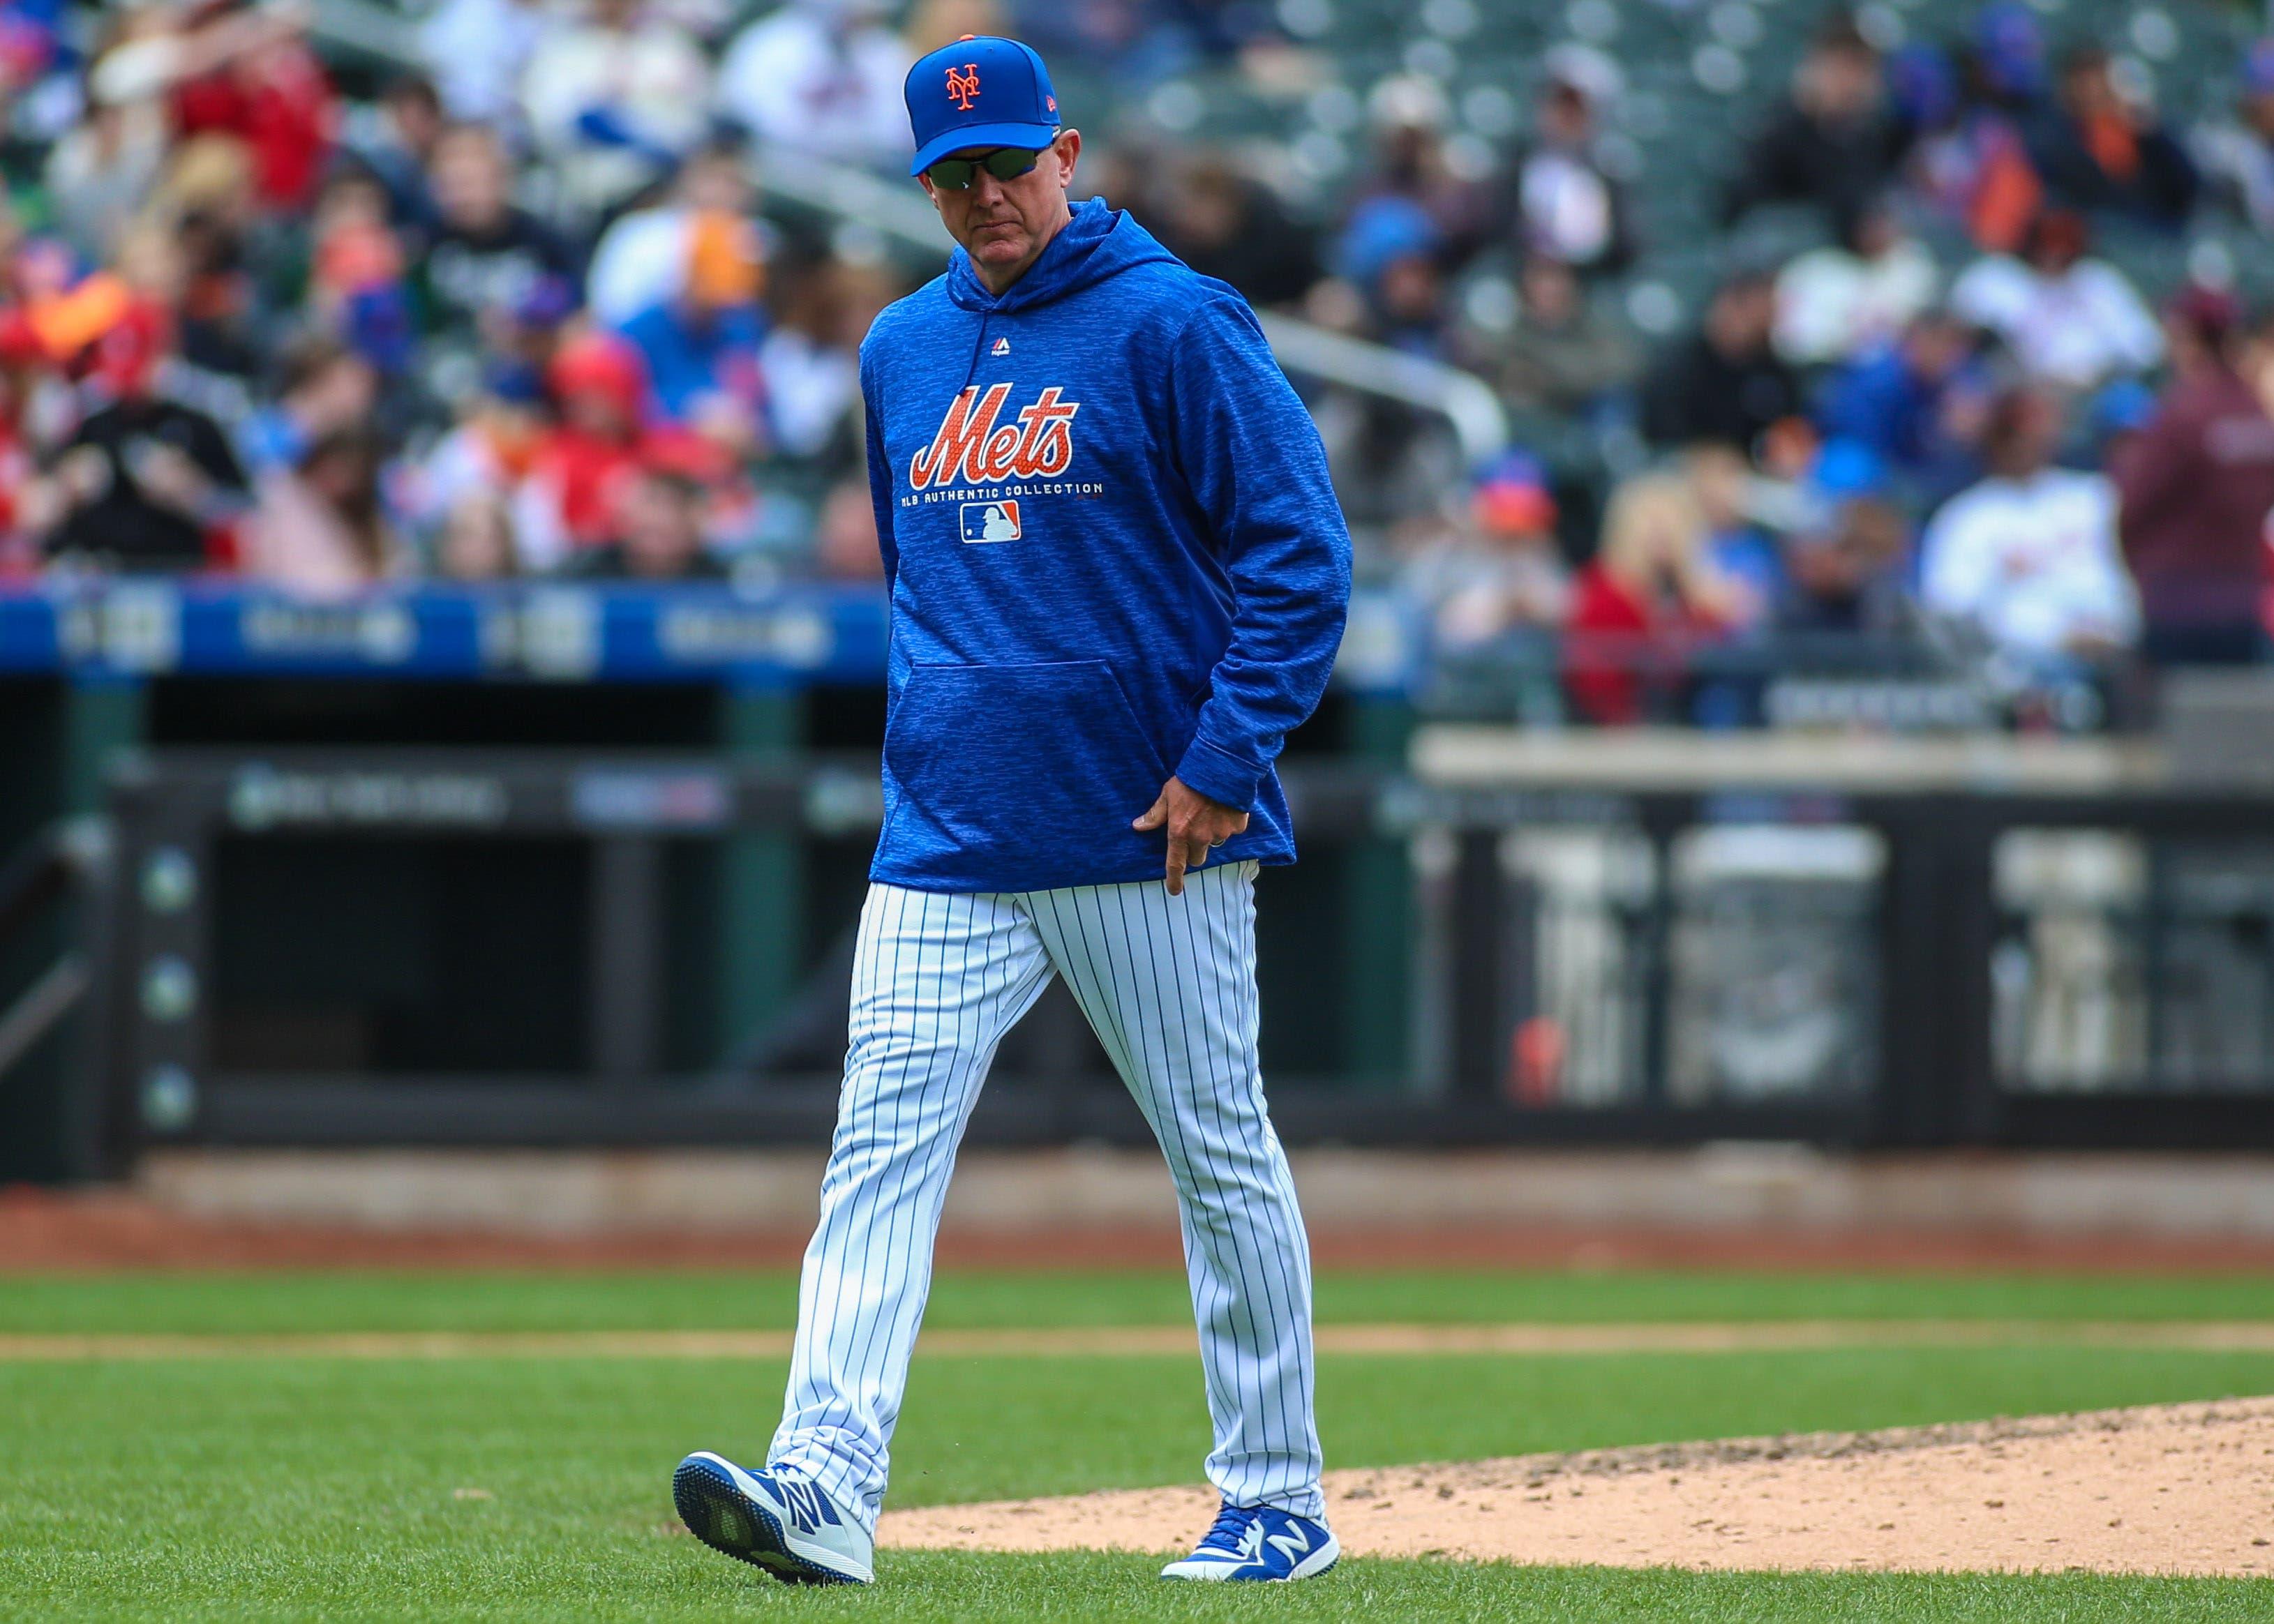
(264, 86)
(2197, 486)
(1648, 592)
(569, 499)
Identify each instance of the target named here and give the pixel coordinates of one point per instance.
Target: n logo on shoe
(1292, 1544)
(809, 1507)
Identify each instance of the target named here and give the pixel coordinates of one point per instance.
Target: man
(1724, 384)
(2073, 321)
(701, 345)
(2196, 487)
(146, 482)
(486, 253)
(1836, 144)
(2099, 153)
(1118, 665)
(2028, 556)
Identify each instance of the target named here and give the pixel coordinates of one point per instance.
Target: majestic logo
(971, 448)
(963, 88)
(1002, 347)
(990, 521)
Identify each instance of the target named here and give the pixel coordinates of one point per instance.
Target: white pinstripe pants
(1169, 985)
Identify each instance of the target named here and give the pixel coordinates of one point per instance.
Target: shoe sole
(1303, 1569)
(730, 1523)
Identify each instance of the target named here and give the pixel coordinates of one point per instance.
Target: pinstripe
(1168, 986)
(1200, 1190)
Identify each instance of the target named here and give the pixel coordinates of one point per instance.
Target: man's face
(1846, 81)
(470, 180)
(2088, 91)
(661, 522)
(1004, 224)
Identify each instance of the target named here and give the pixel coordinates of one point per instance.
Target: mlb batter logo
(990, 521)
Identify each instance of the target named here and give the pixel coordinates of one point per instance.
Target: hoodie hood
(1095, 244)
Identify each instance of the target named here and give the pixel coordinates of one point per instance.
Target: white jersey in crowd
(2076, 328)
(821, 76)
(2033, 561)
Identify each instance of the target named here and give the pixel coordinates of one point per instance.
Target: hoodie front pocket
(1017, 776)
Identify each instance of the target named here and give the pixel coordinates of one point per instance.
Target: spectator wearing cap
(2236, 154)
(2029, 556)
(2197, 486)
(566, 500)
(1391, 252)
(145, 482)
(1564, 204)
(1834, 302)
(614, 102)
(702, 347)
(1725, 384)
(1496, 569)
(2071, 320)
(1836, 142)
(2096, 151)
(821, 77)
(1846, 560)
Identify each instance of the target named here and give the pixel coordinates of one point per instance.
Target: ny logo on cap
(963, 88)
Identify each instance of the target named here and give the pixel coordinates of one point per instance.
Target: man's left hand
(1196, 825)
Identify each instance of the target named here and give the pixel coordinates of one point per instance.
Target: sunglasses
(1004, 163)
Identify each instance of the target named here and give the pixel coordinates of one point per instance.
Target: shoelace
(1229, 1532)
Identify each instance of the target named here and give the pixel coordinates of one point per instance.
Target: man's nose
(986, 191)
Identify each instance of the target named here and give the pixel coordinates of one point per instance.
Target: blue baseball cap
(981, 90)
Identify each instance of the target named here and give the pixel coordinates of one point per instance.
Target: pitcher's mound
(2169, 1489)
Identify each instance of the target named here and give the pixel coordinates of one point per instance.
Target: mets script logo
(971, 448)
(963, 88)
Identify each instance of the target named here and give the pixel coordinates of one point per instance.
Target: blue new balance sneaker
(1258, 1542)
(773, 1520)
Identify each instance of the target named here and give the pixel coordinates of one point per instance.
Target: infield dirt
(2166, 1489)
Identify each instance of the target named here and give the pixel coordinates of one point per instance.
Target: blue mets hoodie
(1113, 553)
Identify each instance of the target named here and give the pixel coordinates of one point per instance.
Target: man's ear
(1068, 150)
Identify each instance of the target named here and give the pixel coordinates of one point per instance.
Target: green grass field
(246, 1486)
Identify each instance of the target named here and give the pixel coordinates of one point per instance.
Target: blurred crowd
(1944, 423)
(521, 310)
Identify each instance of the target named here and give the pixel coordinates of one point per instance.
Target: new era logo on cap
(979, 92)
